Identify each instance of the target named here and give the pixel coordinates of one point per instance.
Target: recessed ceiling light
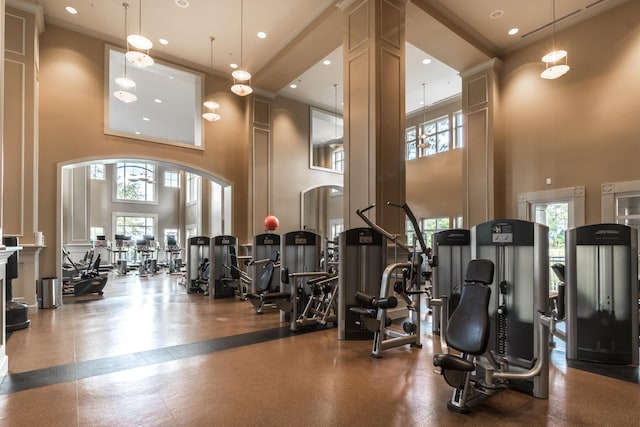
(262, 35)
(137, 132)
(326, 62)
(163, 41)
(426, 61)
(513, 31)
(146, 119)
(72, 10)
(158, 101)
(496, 14)
(233, 65)
(293, 85)
(182, 3)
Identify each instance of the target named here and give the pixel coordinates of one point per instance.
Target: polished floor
(149, 354)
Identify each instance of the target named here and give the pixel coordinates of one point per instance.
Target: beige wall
(291, 174)
(434, 183)
(582, 129)
(72, 121)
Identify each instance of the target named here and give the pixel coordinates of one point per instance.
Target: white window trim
(574, 196)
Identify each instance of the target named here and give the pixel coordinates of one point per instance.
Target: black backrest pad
(468, 327)
(479, 271)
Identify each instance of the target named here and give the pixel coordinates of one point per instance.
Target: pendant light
(138, 57)
(422, 135)
(124, 82)
(241, 78)
(211, 116)
(554, 65)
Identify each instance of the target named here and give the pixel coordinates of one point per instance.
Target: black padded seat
(454, 363)
(468, 327)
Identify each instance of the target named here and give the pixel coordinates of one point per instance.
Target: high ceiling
(455, 34)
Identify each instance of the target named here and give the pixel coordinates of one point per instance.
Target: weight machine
(408, 282)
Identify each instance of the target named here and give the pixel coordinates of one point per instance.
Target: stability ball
(271, 223)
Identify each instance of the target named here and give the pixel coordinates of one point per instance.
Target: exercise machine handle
(414, 224)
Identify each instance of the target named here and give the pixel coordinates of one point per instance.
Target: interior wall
(291, 173)
(581, 129)
(434, 183)
(71, 123)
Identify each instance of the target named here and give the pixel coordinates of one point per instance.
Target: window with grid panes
(437, 136)
(458, 132)
(430, 226)
(96, 171)
(410, 140)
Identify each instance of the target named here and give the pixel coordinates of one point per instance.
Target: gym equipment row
(312, 292)
(86, 280)
(602, 294)
(362, 309)
(502, 335)
(265, 290)
(145, 255)
(213, 269)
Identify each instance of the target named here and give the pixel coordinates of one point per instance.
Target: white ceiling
(301, 33)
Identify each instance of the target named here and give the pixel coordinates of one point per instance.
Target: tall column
(479, 107)
(374, 110)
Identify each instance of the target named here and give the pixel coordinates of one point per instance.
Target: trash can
(49, 292)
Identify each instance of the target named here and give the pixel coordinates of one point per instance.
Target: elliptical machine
(88, 281)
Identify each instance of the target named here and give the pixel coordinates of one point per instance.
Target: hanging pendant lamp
(138, 57)
(241, 78)
(211, 115)
(554, 65)
(124, 82)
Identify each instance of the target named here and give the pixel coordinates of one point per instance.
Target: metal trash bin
(49, 292)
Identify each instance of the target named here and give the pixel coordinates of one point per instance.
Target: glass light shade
(139, 59)
(241, 89)
(554, 56)
(241, 75)
(124, 96)
(212, 117)
(139, 41)
(212, 105)
(554, 72)
(125, 82)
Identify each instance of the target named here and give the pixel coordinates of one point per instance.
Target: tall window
(458, 132)
(193, 187)
(144, 119)
(556, 217)
(135, 181)
(337, 227)
(337, 160)
(410, 140)
(430, 226)
(191, 230)
(135, 226)
(171, 179)
(96, 231)
(437, 136)
(96, 171)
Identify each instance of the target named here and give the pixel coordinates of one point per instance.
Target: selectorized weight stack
(451, 255)
(264, 246)
(198, 256)
(225, 279)
(602, 294)
(363, 256)
(520, 292)
(300, 262)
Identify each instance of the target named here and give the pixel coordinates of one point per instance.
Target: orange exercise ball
(271, 223)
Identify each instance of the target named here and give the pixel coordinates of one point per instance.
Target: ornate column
(479, 100)
(374, 110)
